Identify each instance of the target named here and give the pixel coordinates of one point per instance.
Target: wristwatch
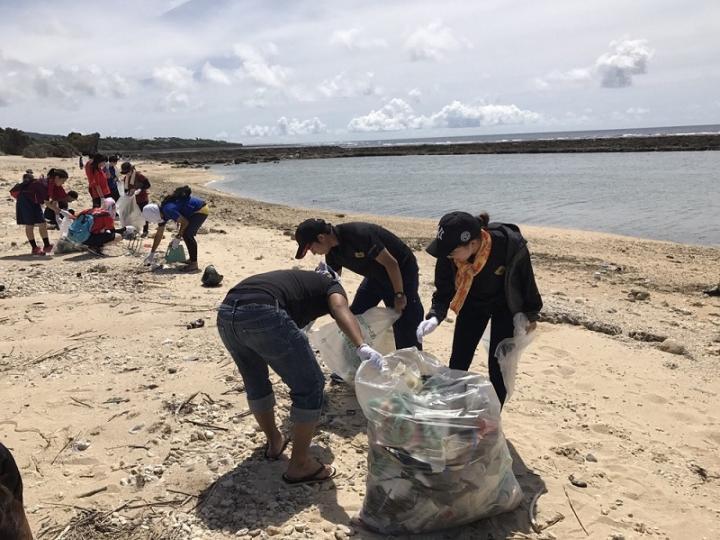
(399, 294)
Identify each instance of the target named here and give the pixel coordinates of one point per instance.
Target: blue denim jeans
(261, 336)
(372, 291)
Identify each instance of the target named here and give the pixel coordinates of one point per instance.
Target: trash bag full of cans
(437, 456)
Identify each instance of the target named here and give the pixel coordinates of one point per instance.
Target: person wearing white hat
(189, 212)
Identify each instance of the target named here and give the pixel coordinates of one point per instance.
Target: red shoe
(48, 248)
(37, 251)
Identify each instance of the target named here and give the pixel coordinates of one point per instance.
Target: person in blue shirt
(112, 178)
(189, 212)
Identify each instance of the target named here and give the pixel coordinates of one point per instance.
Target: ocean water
(659, 195)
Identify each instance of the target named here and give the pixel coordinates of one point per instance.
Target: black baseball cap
(454, 229)
(307, 233)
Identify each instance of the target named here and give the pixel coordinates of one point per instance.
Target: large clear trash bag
(129, 212)
(437, 454)
(338, 353)
(509, 350)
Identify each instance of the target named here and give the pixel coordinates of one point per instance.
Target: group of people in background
(42, 203)
(483, 273)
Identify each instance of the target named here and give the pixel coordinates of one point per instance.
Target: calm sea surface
(665, 196)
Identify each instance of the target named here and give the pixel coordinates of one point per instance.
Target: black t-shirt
(302, 294)
(360, 244)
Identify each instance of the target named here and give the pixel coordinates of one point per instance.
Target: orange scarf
(466, 272)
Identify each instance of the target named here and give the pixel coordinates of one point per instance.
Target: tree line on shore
(39, 145)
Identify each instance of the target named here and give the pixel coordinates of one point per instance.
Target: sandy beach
(127, 424)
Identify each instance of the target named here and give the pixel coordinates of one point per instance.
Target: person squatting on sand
(31, 194)
(388, 266)
(103, 228)
(483, 273)
(259, 322)
(134, 182)
(13, 522)
(97, 181)
(189, 212)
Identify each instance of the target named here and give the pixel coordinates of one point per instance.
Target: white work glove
(150, 259)
(426, 327)
(130, 230)
(366, 352)
(175, 242)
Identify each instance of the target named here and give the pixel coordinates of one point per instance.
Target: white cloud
(173, 77)
(212, 74)
(433, 42)
(256, 65)
(344, 86)
(637, 111)
(415, 94)
(613, 70)
(286, 128)
(628, 58)
(174, 101)
(353, 39)
(397, 114)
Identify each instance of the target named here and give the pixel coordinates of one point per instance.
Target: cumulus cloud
(257, 67)
(637, 111)
(63, 86)
(433, 42)
(628, 58)
(286, 128)
(415, 94)
(343, 85)
(172, 77)
(353, 39)
(397, 115)
(212, 74)
(614, 69)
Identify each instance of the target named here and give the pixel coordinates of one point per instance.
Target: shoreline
(107, 397)
(244, 154)
(426, 221)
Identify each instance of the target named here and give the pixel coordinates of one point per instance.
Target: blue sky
(290, 71)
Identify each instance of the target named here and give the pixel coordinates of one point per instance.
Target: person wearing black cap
(259, 323)
(483, 272)
(389, 268)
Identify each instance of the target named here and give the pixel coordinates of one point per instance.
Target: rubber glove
(426, 327)
(366, 352)
(150, 259)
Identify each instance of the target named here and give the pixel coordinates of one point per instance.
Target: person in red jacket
(97, 181)
(103, 227)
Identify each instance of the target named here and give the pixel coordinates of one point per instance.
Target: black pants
(372, 291)
(100, 239)
(194, 224)
(469, 328)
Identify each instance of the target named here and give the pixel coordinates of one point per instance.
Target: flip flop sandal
(280, 453)
(311, 478)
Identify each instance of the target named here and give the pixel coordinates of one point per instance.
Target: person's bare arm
(393, 270)
(345, 319)
(158, 237)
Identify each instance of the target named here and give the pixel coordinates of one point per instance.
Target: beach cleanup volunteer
(136, 183)
(189, 212)
(483, 273)
(259, 322)
(387, 265)
(13, 522)
(97, 181)
(31, 194)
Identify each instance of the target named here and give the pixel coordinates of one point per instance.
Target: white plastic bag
(338, 353)
(129, 212)
(509, 350)
(437, 455)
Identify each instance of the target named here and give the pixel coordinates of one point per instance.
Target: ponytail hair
(180, 193)
(57, 173)
(484, 218)
(97, 159)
